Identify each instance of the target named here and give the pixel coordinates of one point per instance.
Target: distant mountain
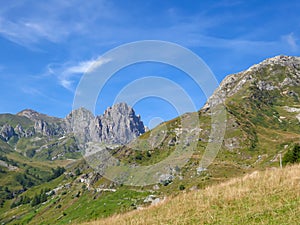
(30, 131)
(119, 124)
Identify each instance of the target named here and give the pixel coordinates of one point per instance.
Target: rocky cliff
(118, 125)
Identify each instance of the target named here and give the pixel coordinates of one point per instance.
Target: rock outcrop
(7, 132)
(19, 130)
(44, 124)
(81, 122)
(118, 125)
(266, 75)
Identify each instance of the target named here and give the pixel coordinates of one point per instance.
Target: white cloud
(81, 67)
(68, 72)
(28, 33)
(86, 66)
(99, 21)
(66, 83)
(291, 40)
(31, 91)
(53, 21)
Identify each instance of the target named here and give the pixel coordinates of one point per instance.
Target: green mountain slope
(263, 109)
(263, 123)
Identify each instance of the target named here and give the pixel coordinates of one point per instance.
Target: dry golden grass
(268, 197)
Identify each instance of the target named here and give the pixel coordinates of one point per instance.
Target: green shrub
(181, 187)
(292, 155)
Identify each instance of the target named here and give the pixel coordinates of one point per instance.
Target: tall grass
(268, 197)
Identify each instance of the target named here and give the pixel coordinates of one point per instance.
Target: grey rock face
(48, 129)
(30, 132)
(20, 131)
(7, 132)
(81, 122)
(42, 127)
(119, 125)
(44, 124)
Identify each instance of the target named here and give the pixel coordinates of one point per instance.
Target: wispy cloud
(36, 93)
(49, 20)
(68, 72)
(291, 40)
(96, 20)
(31, 91)
(28, 33)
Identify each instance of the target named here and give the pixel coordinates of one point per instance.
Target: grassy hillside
(263, 123)
(13, 120)
(268, 197)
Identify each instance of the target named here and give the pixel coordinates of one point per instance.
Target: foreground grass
(269, 197)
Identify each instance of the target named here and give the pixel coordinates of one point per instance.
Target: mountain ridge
(232, 83)
(29, 122)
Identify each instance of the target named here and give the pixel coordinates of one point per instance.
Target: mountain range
(118, 125)
(41, 157)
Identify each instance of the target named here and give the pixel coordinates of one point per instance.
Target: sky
(46, 47)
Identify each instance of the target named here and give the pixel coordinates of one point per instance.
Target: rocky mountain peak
(119, 109)
(280, 60)
(80, 114)
(279, 72)
(36, 116)
(29, 113)
(81, 122)
(119, 124)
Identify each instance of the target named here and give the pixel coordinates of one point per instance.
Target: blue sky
(46, 46)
